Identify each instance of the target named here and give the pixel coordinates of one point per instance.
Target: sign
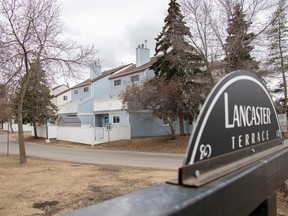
(238, 119)
(108, 126)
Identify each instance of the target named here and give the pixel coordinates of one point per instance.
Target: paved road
(136, 159)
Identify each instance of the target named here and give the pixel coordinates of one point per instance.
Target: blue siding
(145, 125)
(123, 116)
(116, 90)
(86, 106)
(101, 88)
(125, 80)
(86, 119)
(97, 90)
(81, 94)
(149, 74)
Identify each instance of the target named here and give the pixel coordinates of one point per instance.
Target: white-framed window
(116, 119)
(165, 122)
(76, 91)
(135, 78)
(65, 97)
(117, 82)
(86, 89)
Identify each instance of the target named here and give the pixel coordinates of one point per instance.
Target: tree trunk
(283, 71)
(285, 92)
(22, 152)
(172, 130)
(35, 129)
(10, 125)
(181, 125)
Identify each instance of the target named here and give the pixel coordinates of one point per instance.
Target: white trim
(85, 114)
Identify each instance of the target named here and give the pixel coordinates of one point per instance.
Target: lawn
(43, 187)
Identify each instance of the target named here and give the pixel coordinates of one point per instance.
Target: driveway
(135, 159)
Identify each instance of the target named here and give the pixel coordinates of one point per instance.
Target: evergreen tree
(37, 106)
(278, 50)
(238, 42)
(177, 57)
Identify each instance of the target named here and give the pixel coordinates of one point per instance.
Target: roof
(104, 74)
(134, 69)
(59, 86)
(112, 71)
(84, 83)
(70, 119)
(63, 92)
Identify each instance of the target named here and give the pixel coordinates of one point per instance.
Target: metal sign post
(108, 129)
(8, 141)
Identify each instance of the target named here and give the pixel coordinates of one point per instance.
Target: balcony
(107, 104)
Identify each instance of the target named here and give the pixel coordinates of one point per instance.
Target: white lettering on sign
(246, 116)
(240, 141)
(205, 151)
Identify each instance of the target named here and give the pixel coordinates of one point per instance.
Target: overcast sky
(115, 27)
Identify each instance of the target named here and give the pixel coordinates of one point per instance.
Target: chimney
(142, 54)
(95, 70)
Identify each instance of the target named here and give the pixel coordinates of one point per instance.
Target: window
(165, 121)
(65, 97)
(135, 78)
(116, 119)
(86, 89)
(117, 82)
(75, 91)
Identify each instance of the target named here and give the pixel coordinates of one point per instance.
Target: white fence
(41, 132)
(86, 135)
(14, 126)
(93, 135)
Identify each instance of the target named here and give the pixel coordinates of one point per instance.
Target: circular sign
(238, 114)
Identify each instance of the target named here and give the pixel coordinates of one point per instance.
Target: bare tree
(30, 30)
(5, 111)
(277, 62)
(159, 96)
(208, 22)
(198, 15)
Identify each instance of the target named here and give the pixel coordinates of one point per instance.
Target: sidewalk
(91, 156)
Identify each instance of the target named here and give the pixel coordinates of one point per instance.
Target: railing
(247, 191)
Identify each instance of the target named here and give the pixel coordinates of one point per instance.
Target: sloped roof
(112, 71)
(60, 93)
(104, 74)
(59, 87)
(84, 83)
(134, 69)
(70, 119)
